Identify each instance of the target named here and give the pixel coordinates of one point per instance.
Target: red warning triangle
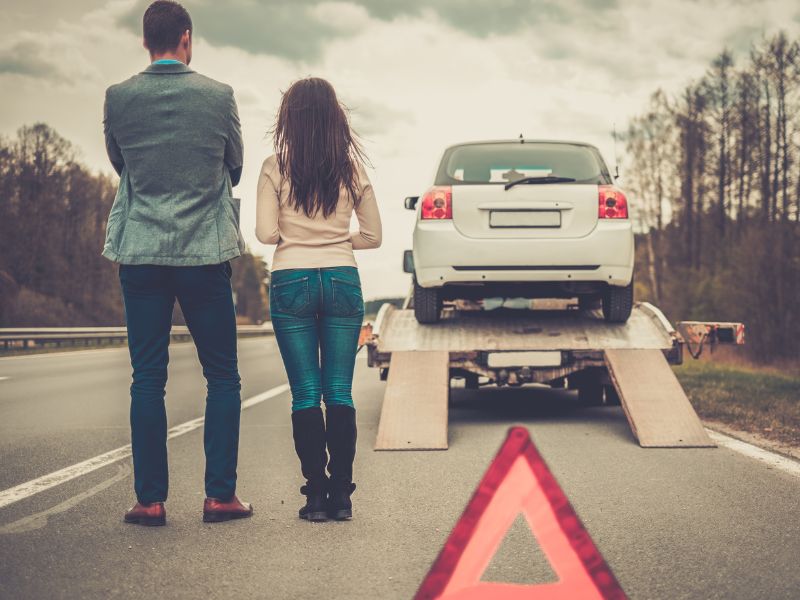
(518, 481)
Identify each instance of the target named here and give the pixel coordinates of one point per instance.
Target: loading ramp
(512, 347)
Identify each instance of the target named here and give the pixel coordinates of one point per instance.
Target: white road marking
(39, 520)
(96, 351)
(63, 353)
(788, 465)
(40, 484)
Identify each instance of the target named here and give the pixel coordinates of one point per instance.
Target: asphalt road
(671, 523)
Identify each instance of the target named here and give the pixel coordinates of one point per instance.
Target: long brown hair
(316, 148)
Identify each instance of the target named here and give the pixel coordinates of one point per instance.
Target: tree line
(53, 213)
(714, 175)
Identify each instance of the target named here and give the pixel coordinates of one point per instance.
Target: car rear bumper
(444, 256)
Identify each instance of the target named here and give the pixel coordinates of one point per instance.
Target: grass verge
(759, 401)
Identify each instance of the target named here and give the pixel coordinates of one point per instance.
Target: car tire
(612, 397)
(427, 304)
(590, 393)
(472, 381)
(618, 303)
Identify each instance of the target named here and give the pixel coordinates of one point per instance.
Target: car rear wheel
(427, 304)
(618, 303)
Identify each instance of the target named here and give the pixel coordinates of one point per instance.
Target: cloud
(371, 119)
(26, 58)
(299, 30)
(291, 30)
(485, 17)
(740, 40)
(61, 47)
(41, 15)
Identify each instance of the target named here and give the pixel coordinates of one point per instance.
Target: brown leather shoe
(215, 511)
(147, 514)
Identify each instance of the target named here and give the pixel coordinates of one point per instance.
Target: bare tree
(715, 174)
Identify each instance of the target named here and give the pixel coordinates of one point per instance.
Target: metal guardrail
(28, 337)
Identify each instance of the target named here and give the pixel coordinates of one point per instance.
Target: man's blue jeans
(204, 293)
(317, 316)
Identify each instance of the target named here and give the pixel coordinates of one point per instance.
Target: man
(175, 140)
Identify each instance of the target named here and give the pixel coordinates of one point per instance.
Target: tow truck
(563, 346)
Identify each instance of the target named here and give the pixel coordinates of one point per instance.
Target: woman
(307, 192)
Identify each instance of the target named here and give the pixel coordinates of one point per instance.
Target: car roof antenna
(616, 156)
(521, 139)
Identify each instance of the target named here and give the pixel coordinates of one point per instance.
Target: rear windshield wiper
(548, 179)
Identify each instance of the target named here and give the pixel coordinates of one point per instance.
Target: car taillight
(437, 203)
(612, 203)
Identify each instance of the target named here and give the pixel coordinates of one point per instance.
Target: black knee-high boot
(341, 436)
(308, 429)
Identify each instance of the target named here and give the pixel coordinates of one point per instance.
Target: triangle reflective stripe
(518, 481)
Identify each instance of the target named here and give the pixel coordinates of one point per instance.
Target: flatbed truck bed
(607, 363)
(473, 339)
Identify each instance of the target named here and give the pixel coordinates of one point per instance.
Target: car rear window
(504, 162)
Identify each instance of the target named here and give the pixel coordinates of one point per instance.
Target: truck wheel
(612, 397)
(427, 304)
(471, 381)
(590, 393)
(617, 303)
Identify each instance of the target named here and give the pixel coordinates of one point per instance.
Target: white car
(522, 218)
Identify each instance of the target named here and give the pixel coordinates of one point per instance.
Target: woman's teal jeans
(317, 316)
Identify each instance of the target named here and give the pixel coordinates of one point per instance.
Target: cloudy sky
(418, 75)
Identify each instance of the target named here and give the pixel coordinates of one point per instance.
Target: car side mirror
(411, 202)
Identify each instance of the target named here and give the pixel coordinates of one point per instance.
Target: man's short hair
(163, 23)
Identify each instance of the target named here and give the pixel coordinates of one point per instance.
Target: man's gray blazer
(174, 137)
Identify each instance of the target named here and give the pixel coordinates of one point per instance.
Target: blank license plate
(525, 218)
(524, 359)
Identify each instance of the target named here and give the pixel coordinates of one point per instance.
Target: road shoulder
(754, 439)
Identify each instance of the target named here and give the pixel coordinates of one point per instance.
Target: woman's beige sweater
(313, 242)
